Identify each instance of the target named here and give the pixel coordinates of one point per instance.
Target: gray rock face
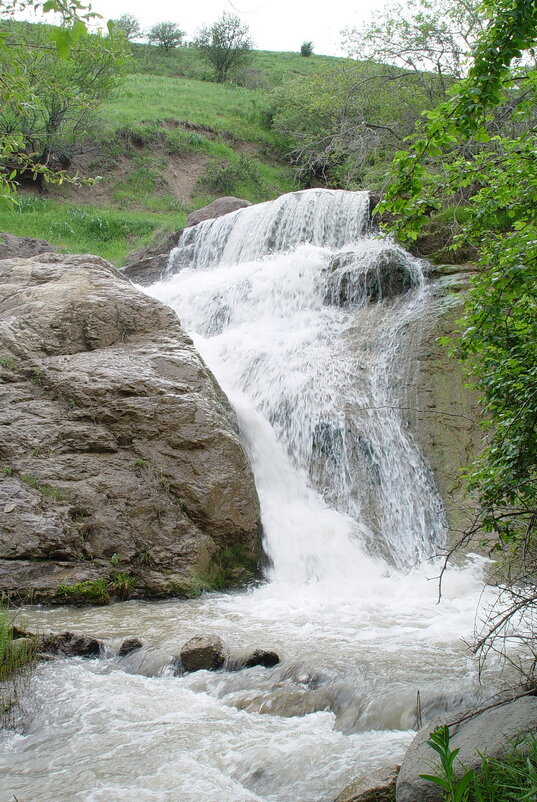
(202, 652)
(121, 468)
(147, 265)
(376, 787)
(129, 645)
(488, 732)
(217, 208)
(22, 247)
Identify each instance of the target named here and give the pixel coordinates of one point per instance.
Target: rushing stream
(309, 325)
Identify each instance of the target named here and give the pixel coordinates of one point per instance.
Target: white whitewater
(308, 324)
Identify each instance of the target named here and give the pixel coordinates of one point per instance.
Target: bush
(306, 49)
(223, 177)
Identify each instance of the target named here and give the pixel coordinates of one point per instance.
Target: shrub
(306, 49)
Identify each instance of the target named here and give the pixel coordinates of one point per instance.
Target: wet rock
(376, 787)
(22, 247)
(350, 281)
(69, 644)
(491, 732)
(217, 208)
(262, 657)
(116, 443)
(129, 645)
(203, 652)
(149, 264)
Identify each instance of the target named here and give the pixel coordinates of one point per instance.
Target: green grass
(90, 592)
(106, 232)
(12, 659)
(225, 108)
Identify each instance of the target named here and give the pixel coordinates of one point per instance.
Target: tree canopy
(225, 45)
(166, 34)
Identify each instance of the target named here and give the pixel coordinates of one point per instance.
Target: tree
(306, 49)
(480, 147)
(430, 38)
(128, 25)
(225, 45)
(64, 93)
(341, 125)
(17, 90)
(166, 34)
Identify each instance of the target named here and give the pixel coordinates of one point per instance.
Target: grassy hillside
(167, 142)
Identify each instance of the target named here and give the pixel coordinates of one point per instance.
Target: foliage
(52, 125)
(456, 787)
(431, 39)
(13, 657)
(18, 92)
(479, 147)
(225, 45)
(511, 778)
(166, 35)
(341, 125)
(89, 592)
(306, 49)
(128, 25)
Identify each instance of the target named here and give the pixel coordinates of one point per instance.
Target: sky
(274, 24)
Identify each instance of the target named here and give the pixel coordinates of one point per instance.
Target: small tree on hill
(166, 34)
(129, 26)
(306, 49)
(225, 45)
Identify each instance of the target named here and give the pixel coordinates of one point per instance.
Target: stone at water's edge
(203, 652)
(122, 473)
(376, 787)
(490, 732)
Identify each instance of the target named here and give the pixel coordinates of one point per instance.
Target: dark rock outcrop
(69, 644)
(122, 473)
(491, 731)
(12, 247)
(217, 208)
(203, 652)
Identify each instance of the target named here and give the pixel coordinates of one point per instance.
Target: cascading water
(308, 325)
(295, 308)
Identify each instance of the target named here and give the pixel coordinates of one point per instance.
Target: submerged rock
(129, 645)
(122, 473)
(262, 657)
(203, 652)
(349, 281)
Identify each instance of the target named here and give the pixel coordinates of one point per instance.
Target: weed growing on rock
(90, 592)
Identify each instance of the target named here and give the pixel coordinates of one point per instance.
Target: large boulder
(217, 208)
(491, 732)
(352, 280)
(122, 472)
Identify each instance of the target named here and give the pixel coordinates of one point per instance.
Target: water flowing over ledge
(309, 324)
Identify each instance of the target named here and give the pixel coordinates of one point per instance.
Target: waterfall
(307, 321)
